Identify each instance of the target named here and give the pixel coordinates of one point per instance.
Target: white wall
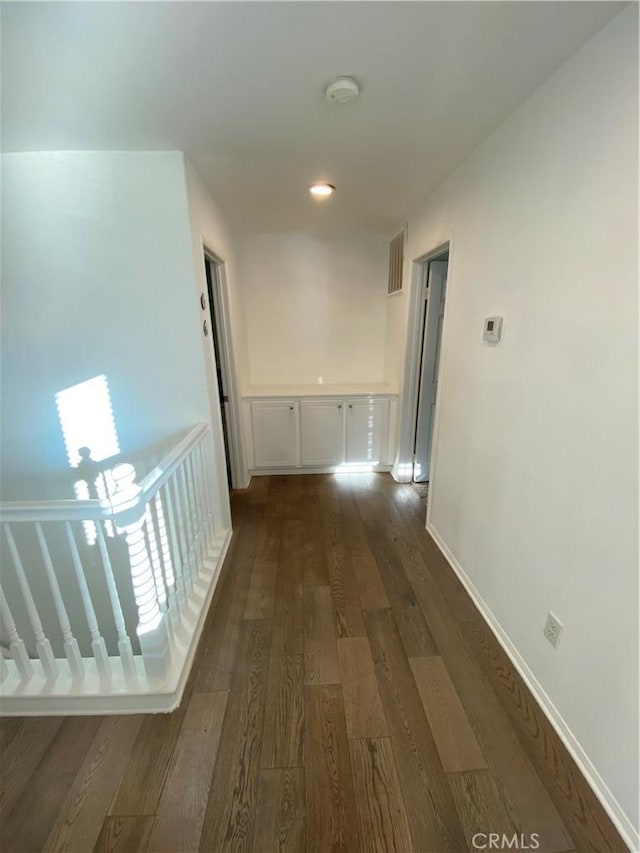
(97, 277)
(535, 490)
(209, 230)
(315, 306)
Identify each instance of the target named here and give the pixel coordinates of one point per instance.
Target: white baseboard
(402, 473)
(623, 824)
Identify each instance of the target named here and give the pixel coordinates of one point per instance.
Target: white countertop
(358, 389)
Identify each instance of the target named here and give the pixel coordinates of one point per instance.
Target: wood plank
(260, 597)
(585, 818)
(370, 587)
(347, 611)
(453, 735)
(331, 820)
(21, 757)
(280, 813)
(480, 806)
(417, 638)
(355, 535)
(182, 806)
(269, 547)
(27, 826)
(417, 551)
(85, 807)
(282, 740)
(458, 599)
(372, 503)
(320, 648)
(144, 777)
(430, 808)
(288, 610)
(124, 834)
(380, 807)
(362, 704)
(316, 571)
(230, 814)
(259, 489)
(529, 802)
(344, 591)
(9, 728)
(219, 643)
(294, 497)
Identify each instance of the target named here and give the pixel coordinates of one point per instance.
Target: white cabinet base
(327, 469)
(319, 435)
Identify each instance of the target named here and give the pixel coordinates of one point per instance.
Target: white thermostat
(492, 331)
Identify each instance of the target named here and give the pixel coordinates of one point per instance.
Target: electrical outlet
(553, 629)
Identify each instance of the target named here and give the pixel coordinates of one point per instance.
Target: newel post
(129, 513)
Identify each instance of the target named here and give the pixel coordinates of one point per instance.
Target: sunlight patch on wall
(89, 433)
(86, 418)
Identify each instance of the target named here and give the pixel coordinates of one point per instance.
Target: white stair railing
(110, 621)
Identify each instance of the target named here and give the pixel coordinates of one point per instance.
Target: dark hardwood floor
(346, 696)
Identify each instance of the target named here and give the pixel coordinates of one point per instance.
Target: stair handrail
(103, 509)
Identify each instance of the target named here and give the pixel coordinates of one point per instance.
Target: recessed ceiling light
(321, 189)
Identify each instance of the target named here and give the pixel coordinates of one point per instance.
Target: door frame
(236, 448)
(428, 358)
(403, 469)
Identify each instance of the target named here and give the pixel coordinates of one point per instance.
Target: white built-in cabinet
(274, 427)
(318, 433)
(367, 430)
(321, 432)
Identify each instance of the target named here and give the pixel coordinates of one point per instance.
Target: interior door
(213, 288)
(429, 367)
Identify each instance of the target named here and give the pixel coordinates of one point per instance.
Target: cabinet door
(367, 431)
(322, 432)
(274, 425)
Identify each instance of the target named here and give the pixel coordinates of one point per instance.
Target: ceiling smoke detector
(342, 90)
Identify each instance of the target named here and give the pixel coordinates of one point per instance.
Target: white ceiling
(239, 87)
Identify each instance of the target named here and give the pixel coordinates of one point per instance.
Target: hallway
(346, 696)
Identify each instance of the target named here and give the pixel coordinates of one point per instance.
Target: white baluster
(124, 643)
(152, 627)
(43, 646)
(16, 645)
(188, 525)
(165, 554)
(182, 534)
(204, 474)
(195, 511)
(154, 555)
(207, 470)
(173, 538)
(70, 643)
(202, 500)
(98, 646)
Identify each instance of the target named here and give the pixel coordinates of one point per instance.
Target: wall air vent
(396, 259)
